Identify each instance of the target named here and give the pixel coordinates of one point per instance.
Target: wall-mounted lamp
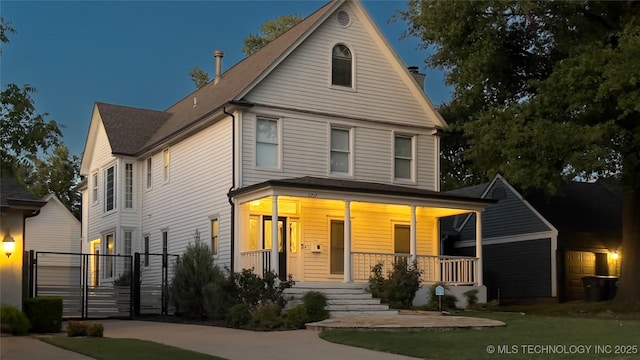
(615, 255)
(8, 245)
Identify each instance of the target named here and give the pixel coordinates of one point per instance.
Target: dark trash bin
(599, 288)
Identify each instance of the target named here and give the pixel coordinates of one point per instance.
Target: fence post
(136, 279)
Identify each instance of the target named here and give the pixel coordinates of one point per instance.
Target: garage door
(578, 265)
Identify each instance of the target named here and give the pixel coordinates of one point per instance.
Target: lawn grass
(129, 349)
(521, 330)
(602, 309)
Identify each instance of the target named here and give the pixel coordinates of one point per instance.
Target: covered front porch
(336, 231)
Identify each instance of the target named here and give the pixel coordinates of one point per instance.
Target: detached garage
(537, 246)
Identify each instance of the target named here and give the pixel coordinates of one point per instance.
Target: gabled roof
(127, 128)
(132, 131)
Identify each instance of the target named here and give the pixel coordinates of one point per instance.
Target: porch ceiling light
(8, 245)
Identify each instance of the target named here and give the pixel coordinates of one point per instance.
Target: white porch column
(347, 241)
(275, 264)
(479, 248)
(414, 235)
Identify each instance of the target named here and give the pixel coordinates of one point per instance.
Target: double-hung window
(166, 158)
(215, 231)
(128, 186)
(149, 168)
(94, 187)
(110, 188)
(340, 151)
(403, 157)
(267, 143)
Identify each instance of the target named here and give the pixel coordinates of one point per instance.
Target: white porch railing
(453, 270)
(258, 260)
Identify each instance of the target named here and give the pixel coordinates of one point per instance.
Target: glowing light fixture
(615, 255)
(8, 245)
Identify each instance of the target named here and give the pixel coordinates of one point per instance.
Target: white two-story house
(322, 140)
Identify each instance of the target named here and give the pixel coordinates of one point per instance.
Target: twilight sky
(139, 53)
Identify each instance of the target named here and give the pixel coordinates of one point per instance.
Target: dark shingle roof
(309, 182)
(471, 191)
(128, 128)
(13, 194)
(132, 131)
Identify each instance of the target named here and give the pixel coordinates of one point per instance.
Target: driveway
(241, 344)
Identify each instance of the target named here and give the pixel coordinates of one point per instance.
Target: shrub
(297, 317)
(13, 321)
(44, 314)
(399, 288)
(472, 297)
(254, 290)
(267, 317)
(239, 316)
(193, 272)
(315, 303)
(448, 301)
(77, 328)
(95, 330)
(220, 295)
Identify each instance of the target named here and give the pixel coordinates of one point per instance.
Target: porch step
(342, 299)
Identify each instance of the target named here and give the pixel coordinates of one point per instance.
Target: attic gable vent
(343, 18)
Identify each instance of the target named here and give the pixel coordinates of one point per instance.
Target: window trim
(351, 151)
(146, 244)
(394, 225)
(115, 188)
(279, 144)
(353, 69)
(149, 173)
(214, 241)
(413, 138)
(105, 250)
(166, 165)
(128, 193)
(95, 194)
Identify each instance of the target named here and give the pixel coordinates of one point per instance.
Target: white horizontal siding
(54, 230)
(302, 80)
(99, 222)
(200, 177)
(306, 146)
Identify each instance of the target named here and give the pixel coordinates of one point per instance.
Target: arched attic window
(341, 66)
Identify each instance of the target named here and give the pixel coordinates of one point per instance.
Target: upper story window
(403, 157)
(149, 168)
(267, 143)
(128, 186)
(94, 187)
(166, 159)
(341, 66)
(340, 151)
(110, 189)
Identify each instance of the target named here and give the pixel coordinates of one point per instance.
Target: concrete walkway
(405, 320)
(241, 344)
(29, 348)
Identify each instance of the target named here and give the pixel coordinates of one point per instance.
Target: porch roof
(360, 187)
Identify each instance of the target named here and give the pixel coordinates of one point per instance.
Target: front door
(282, 242)
(337, 247)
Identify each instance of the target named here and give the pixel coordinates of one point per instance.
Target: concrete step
(343, 301)
(357, 307)
(326, 291)
(339, 313)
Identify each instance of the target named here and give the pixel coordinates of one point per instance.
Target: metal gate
(151, 289)
(101, 286)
